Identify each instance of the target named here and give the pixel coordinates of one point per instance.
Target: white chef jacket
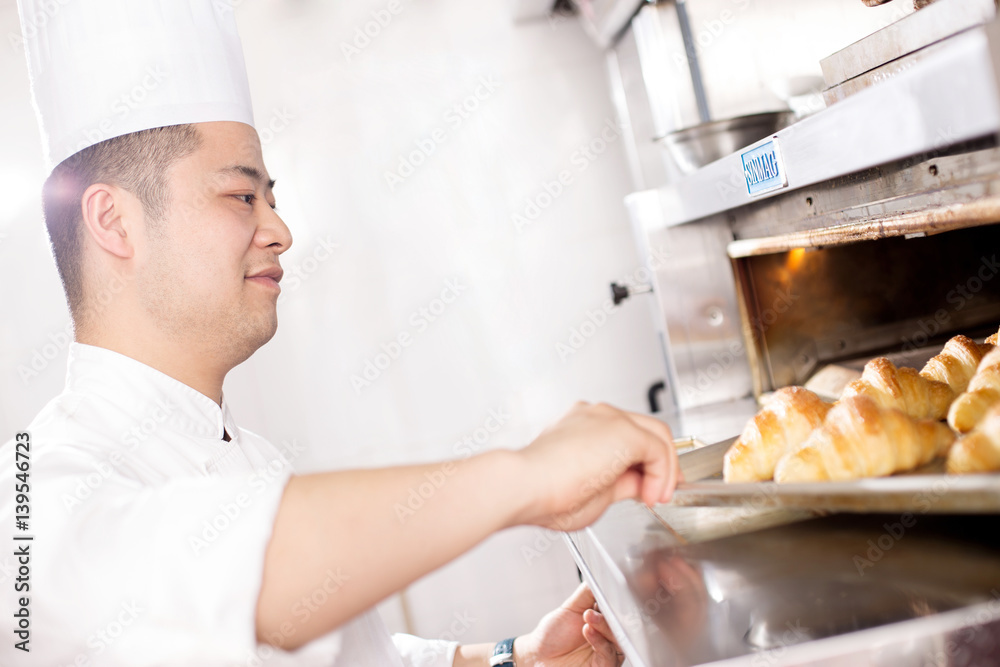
(149, 533)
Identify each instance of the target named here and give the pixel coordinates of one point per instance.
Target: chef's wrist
(476, 655)
(516, 658)
(510, 651)
(524, 655)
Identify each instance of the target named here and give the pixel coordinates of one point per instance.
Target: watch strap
(503, 654)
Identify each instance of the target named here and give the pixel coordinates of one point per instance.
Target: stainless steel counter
(756, 586)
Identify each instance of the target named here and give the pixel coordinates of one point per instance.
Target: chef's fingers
(661, 474)
(597, 621)
(581, 600)
(628, 485)
(661, 468)
(653, 424)
(605, 653)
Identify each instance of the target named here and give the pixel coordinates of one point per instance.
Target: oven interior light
(795, 257)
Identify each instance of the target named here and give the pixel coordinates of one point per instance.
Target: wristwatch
(503, 654)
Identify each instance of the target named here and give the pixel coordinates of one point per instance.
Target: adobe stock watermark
(704, 34)
(469, 445)
(419, 321)
(460, 624)
(279, 121)
(29, 29)
(366, 34)
(563, 522)
(639, 618)
(301, 610)
(45, 354)
(751, 507)
(579, 162)
(216, 184)
(943, 138)
(228, 513)
(543, 542)
(895, 531)
(580, 334)
(138, 433)
(104, 637)
(594, 320)
(973, 632)
(298, 273)
(57, 341)
(726, 358)
(453, 118)
(958, 297)
(123, 105)
(706, 377)
(794, 633)
(881, 545)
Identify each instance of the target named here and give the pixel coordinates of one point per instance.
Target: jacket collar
(141, 390)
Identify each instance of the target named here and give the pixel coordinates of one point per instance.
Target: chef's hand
(592, 457)
(574, 634)
(564, 480)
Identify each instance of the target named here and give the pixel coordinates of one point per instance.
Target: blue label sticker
(762, 169)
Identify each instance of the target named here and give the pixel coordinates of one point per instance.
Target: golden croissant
(956, 364)
(861, 439)
(983, 392)
(994, 339)
(783, 424)
(978, 450)
(902, 388)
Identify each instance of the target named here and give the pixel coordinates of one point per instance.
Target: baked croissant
(783, 424)
(902, 388)
(978, 450)
(956, 364)
(861, 439)
(994, 339)
(983, 392)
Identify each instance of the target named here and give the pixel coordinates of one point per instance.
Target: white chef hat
(103, 68)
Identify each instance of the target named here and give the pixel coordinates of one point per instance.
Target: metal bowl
(693, 148)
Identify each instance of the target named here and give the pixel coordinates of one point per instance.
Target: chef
(155, 530)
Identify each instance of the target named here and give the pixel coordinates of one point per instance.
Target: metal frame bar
(913, 113)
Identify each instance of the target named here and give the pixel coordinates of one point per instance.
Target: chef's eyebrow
(250, 172)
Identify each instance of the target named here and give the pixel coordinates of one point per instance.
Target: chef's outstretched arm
(359, 525)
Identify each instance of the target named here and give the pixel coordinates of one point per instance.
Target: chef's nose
(272, 232)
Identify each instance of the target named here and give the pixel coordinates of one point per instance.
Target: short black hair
(137, 162)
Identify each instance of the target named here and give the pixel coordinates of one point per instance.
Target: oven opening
(899, 297)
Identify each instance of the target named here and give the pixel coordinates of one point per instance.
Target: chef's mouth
(269, 278)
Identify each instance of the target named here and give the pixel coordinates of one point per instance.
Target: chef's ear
(106, 220)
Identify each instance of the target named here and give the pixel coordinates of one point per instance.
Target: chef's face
(211, 274)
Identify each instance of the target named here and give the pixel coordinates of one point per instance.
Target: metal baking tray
(926, 490)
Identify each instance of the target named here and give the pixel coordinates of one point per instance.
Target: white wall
(339, 125)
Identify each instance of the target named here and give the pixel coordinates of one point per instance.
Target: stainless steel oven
(824, 179)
